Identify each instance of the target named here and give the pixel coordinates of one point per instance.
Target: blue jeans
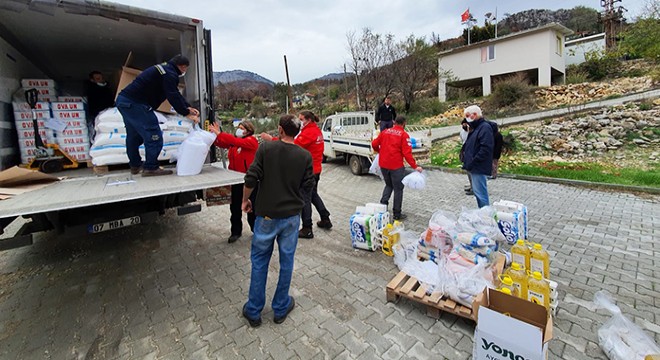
(266, 231)
(480, 189)
(313, 197)
(141, 127)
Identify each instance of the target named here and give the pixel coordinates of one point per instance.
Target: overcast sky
(254, 35)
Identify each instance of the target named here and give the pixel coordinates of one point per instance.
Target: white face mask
(240, 132)
(183, 74)
(102, 84)
(468, 119)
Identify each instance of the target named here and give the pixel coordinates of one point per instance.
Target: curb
(581, 183)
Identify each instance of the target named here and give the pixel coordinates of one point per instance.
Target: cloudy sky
(254, 35)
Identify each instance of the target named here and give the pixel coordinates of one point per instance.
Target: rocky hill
(226, 77)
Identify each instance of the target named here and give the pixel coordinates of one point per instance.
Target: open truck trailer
(65, 40)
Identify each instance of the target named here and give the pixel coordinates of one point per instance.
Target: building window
(560, 47)
(488, 53)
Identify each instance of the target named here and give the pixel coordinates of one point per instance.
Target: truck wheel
(51, 166)
(356, 165)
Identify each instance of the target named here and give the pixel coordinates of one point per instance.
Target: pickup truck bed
(82, 189)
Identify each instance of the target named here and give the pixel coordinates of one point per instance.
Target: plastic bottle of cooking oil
(539, 261)
(519, 277)
(388, 240)
(520, 253)
(538, 290)
(505, 291)
(398, 228)
(507, 283)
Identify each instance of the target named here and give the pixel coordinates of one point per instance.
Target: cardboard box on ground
(510, 328)
(128, 74)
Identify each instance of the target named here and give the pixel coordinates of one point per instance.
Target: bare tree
(370, 53)
(416, 70)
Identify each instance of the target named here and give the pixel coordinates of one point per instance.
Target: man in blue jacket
(478, 153)
(137, 102)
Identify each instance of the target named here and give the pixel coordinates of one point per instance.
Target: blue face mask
(240, 132)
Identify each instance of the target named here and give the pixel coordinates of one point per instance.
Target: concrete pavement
(174, 289)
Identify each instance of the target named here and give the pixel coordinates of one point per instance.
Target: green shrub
(598, 65)
(640, 39)
(511, 91)
(428, 107)
(576, 75)
(645, 105)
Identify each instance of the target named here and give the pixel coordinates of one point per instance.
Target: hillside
(226, 77)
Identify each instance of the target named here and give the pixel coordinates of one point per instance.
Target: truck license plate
(114, 224)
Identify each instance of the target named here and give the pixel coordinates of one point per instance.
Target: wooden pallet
(403, 285)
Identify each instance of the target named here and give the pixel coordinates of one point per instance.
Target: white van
(349, 134)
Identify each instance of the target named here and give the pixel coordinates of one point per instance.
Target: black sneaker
(324, 224)
(233, 238)
(306, 233)
(469, 192)
(253, 323)
(279, 320)
(400, 217)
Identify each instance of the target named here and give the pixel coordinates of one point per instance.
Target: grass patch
(447, 155)
(587, 172)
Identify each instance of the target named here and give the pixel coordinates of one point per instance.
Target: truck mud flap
(220, 195)
(188, 209)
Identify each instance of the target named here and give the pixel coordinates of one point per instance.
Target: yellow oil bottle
(538, 290)
(539, 260)
(505, 290)
(519, 278)
(520, 253)
(387, 240)
(507, 283)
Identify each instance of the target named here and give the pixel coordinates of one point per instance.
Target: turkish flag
(465, 16)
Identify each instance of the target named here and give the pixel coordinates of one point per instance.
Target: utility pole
(288, 87)
(611, 17)
(346, 86)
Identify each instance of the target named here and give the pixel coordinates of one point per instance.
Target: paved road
(449, 131)
(174, 290)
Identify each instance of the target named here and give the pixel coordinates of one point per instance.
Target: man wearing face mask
(242, 148)
(137, 102)
(99, 95)
(478, 153)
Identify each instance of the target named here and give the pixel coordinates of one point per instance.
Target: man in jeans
(137, 102)
(478, 153)
(284, 173)
(393, 145)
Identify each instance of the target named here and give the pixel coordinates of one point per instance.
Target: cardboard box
(29, 133)
(128, 74)
(27, 124)
(510, 328)
(68, 106)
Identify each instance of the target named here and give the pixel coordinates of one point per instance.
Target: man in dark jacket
(478, 153)
(386, 114)
(99, 95)
(497, 153)
(284, 173)
(137, 102)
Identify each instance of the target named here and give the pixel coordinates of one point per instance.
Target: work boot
(324, 224)
(136, 170)
(156, 172)
(306, 233)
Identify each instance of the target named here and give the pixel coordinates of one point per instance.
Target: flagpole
(495, 22)
(468, 26)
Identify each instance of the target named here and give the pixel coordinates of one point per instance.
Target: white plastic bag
(619, 337)
(375, 168)
(415, 180)
(481, 221)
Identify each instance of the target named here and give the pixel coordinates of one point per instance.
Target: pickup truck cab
(349, 134)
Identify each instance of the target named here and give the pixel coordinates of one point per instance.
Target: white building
(577, 48)
(539, 53)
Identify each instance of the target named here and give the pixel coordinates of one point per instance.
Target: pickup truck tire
(355, 163)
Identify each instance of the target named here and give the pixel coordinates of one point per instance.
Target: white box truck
(64, 40)
(349, 134)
